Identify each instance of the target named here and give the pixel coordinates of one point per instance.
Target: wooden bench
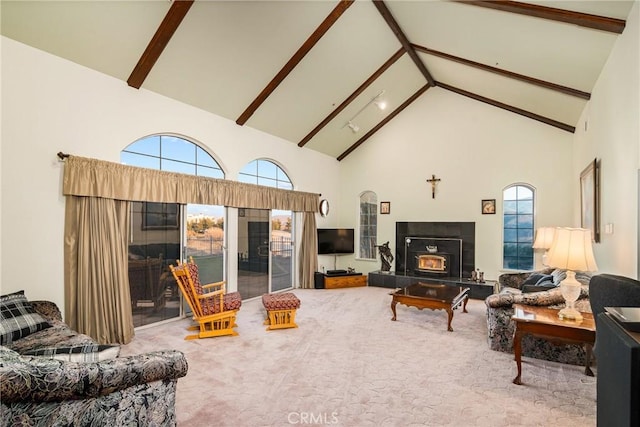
(281, 310)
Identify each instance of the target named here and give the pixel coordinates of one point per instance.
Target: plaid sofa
(43, 383)
(501, 328)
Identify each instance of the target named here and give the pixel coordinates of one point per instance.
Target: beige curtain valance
(98, 178)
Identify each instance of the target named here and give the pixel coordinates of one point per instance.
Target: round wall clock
(324, 207)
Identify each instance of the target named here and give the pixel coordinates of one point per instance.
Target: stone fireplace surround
(446, 236)
(446, 233)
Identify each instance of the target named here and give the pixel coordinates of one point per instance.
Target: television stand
(337, 272)
(335, 279)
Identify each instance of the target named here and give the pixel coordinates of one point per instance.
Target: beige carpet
(348, 364)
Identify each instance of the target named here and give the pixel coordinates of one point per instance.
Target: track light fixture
(379, 102)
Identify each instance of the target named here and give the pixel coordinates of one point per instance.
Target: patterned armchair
(501, 328)
(45, 391)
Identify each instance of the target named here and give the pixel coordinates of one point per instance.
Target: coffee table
(543, 322)
(435, 296)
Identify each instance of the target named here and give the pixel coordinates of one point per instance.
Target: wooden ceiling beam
(353, 96)
(507, 107)
(586, 20)
(328, 22)
(384, 121)
(165, 31)
(404, 41)
(542, 83)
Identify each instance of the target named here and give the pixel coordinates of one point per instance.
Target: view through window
(517, 204)
(368, 226)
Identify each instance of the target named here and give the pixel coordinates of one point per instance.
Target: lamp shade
(571, 249)
(544, 237)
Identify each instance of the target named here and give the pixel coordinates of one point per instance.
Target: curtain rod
(62, 156)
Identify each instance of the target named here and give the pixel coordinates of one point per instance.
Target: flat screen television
(333, 241)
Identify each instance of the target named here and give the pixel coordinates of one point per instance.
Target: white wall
(1, 192)
(52, 105)
(477, 150)
(612, 135)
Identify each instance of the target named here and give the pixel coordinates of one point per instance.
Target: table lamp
(571, 250)
(544, 238)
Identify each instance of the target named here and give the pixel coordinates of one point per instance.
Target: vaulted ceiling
(312, 72)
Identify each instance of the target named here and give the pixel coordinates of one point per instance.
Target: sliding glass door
(281, 250)
(253, 252)
(153, 245)
(205, 241)
(265, 251)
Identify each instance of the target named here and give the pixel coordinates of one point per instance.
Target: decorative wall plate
(324, 207)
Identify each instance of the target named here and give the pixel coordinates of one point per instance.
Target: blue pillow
(545, 280)
(533, 279)
(526, 289)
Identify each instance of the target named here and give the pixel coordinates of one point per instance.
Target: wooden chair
(213, 311)
(145, 282)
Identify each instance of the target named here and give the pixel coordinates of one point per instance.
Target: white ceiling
(225, 53)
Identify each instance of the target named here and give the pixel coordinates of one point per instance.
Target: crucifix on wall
(433, 181)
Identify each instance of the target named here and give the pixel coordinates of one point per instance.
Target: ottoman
(281, 310)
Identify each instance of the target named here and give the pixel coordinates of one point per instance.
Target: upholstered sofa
(500, 310)
(52, 375)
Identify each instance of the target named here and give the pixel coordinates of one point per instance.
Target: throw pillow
(538, 288)
(18, 318)
(533, 279)
(78, 353)
(559, 275)
(528, 289)
(545, 280)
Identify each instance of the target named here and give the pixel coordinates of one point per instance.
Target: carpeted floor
(348, 364)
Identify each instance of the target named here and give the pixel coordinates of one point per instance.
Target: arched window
(368, 225)
(173, 154)
(156, 229)
(265, 172)
(518, 208)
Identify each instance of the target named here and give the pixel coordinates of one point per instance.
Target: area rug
(348, 364)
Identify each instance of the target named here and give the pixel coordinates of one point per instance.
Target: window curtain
(97, 178)
(97, 297)
(308, 251)
(98, 193)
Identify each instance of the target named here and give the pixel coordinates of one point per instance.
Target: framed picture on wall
(160, 216)
(488, 206)
(385, 208)
(590, 199)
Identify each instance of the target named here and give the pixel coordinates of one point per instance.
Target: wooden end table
(543, 322)
(434, 296)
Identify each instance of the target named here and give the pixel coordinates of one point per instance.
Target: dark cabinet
(618, 383)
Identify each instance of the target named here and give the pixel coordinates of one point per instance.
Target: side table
(543, 322)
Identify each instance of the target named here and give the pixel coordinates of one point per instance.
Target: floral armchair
(500, 309)
(45, 391)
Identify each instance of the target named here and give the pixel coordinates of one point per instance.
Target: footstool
(281, 310)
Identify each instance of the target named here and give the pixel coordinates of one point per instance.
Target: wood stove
(432, 263)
